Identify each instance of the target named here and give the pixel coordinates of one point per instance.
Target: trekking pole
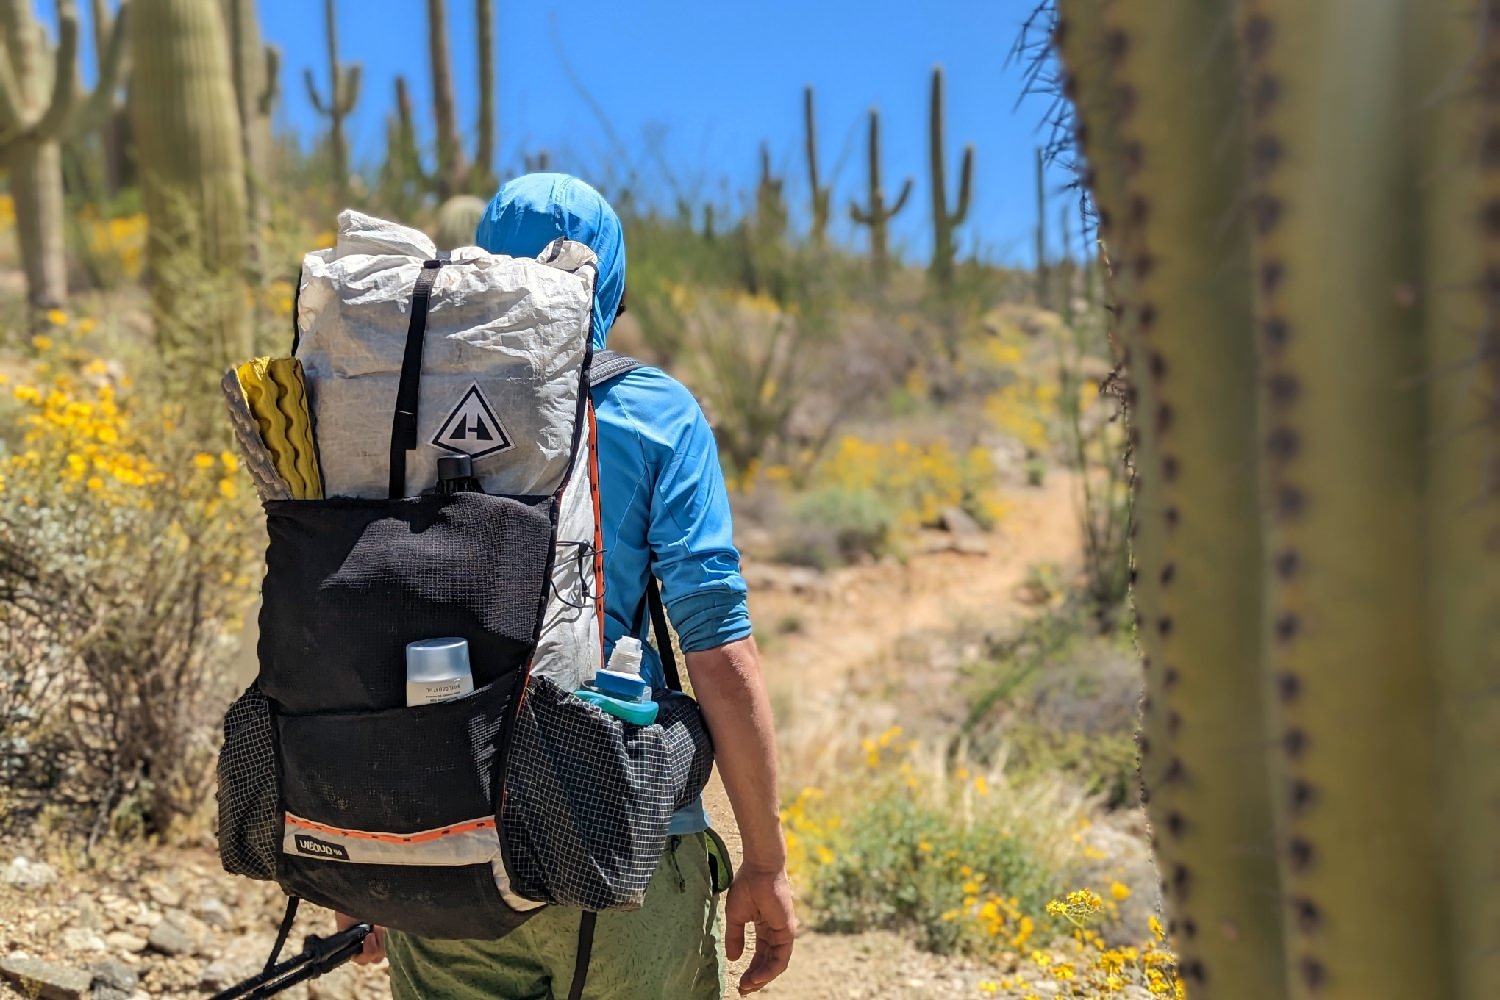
(319, 955)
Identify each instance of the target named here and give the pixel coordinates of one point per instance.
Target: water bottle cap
(437, 658)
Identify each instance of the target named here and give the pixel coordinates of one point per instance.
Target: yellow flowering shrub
(113, 248)
(127, 560)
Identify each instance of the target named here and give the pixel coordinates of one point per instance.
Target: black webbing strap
(284, 931)
(662, 634)
(585, 951)
(404, 420)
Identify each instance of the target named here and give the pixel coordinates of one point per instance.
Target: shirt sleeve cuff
(707, 619)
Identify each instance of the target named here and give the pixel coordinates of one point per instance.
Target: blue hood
(531, 211)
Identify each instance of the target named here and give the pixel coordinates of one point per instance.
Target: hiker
(664, 511)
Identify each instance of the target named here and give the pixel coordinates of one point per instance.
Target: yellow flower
(924, 846)
(95, 483)
(231, 463)
(203, 460)
(988, 986)
(57, 317)
(1063, 971)
(42, 342)
(1120, 891)
(1156, 928)
(982, 785)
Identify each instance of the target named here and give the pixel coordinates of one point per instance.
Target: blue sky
(693, 88)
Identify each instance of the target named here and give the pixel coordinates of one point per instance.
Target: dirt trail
(853, 620)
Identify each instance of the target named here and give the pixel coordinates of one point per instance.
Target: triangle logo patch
(471, 428)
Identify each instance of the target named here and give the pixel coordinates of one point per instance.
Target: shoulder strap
(603, 366)
(662, 634)
(606, 365)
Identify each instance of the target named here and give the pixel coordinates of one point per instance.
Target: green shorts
(670, 949)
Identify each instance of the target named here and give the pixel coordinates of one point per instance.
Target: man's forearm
(731, 689)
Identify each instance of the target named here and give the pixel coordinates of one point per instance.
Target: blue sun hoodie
(663, 504)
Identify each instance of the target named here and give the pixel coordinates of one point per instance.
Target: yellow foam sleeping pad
(277, 397)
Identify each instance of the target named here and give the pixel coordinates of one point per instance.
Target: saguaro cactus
(1306, 255)
(482, 170)
(113, 126)
(343, 93)
(875, 214)
(821, 197)
(38, 106)
(187, 133)
(770, 205)
(450, 150)
(944, 219)
(257, 69)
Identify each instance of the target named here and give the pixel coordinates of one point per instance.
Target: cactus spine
(482, 171)
(945, 220)
(187, 133)
(343, 93)
(822, 197)
(256, 71)
(39, 106)
(1307, 252)
(875, 214)
(450, 150)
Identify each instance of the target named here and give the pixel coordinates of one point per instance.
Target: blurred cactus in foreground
(875, 214)
(39, 106)
(1298, 202)
(944, 219)
(187, 132)
(343, 94)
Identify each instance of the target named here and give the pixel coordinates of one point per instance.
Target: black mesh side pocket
(249, 826)
(588, 797)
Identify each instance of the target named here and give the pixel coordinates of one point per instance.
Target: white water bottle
(437, 670)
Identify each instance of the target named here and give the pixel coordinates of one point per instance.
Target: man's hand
(764, 899)
(374, 947)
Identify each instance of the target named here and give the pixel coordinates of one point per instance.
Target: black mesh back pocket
(588, 797)
(249, 814)
(350, 582)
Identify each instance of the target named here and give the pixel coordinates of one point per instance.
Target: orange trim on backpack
(426, 836)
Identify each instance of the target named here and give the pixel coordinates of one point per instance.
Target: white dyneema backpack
(457, 819)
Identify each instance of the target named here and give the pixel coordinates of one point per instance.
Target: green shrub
(834, 525)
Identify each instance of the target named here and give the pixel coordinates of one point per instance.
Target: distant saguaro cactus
(944, 219)
(187, 132)
(482, 170)
(114, 123)
(450, 151)
(39, 106)
(343, 94)
(257, 70)
(821, 197)
(770, 205)
(875, 214)
(1299, 206)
